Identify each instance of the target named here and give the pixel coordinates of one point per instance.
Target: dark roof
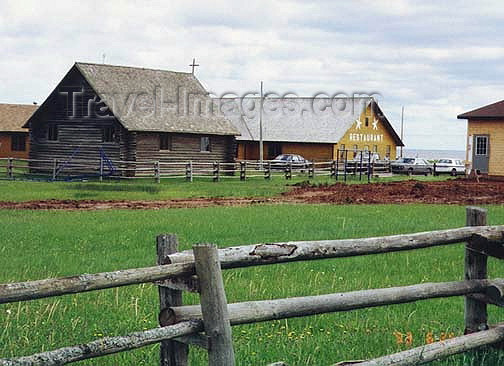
(166, 101)
(494, 110)
(299, 119)
(14, 116)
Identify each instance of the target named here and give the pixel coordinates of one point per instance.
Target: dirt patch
(145, 204)
(459, 191)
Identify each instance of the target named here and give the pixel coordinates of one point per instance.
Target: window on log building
(108, 134)
(52, 133)
(165, 141)
(205, 144)
(18, 142)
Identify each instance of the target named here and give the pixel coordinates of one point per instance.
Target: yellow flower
(409, 339)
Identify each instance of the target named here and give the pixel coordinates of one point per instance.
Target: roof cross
(193, 65)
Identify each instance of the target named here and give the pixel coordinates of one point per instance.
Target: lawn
(167, 189)
(40, 244)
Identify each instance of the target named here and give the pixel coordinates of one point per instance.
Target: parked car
(412, 166)
(285, 160)
(450, 166)
(366, 155)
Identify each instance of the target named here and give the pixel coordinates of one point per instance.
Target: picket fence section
(208, 325)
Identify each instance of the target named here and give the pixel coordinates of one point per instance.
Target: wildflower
(399, 337)
(443, 336)
(429, 338)
(409, 339)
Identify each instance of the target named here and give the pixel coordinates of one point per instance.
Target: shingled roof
(298, 119)
(494, 110)
(14, 116)
(181, 93)
(164, 101)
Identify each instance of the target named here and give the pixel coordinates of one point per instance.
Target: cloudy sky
(436, 60)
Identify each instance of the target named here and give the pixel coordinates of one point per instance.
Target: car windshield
(407, 160)
(283, 157)
(445, 161)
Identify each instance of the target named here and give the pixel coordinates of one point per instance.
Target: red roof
(494, 110)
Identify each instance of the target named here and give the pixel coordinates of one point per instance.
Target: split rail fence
(53, 170)
(208, 325)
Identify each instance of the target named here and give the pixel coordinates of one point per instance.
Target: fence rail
(100, 169)
(199, 271)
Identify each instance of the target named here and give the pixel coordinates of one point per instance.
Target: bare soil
(459, 191)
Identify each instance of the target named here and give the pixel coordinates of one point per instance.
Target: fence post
(360, 167)
(243, 169)
(345, 166)
(216, 171)
(475, 268)
(370, 169)
(172, 353)
(288, 171)
(214, 305)
(311, 170)
(336, 166)
(101, 168)
(267, 171)
(10, 174)
(189, 171)
(157, 172)
(55, 167)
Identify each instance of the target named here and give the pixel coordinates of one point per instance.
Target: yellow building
(485, 139)
(319, 129)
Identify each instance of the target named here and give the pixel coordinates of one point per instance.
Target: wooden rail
(199, 270)
(182, 264)
(100, 169)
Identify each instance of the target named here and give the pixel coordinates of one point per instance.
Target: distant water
(433, 154)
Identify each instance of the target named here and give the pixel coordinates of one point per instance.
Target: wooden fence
(208, 325)
(101, 169)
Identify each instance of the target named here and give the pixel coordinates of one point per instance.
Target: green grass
(41, 244)
(168, 189)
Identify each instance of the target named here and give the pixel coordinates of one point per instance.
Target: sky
(436, 58)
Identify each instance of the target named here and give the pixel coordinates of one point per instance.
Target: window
(375, 148)
(481, 145)
(342, 151)
(205, 144)
(52, 133)
(366, 147)
(165, 141)
(18, 142)
(108, 134)
(388, 151)
(366, 122)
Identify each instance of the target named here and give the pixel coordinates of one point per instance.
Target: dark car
(294, 161)
(412, 166)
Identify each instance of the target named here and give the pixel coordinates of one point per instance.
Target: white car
(450, 166)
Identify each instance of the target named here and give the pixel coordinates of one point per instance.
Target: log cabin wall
(79, 132)
(184, 147)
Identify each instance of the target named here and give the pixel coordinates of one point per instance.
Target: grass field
(168, 189)
(40, 244)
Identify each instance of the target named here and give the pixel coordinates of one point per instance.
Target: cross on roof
(193, 65)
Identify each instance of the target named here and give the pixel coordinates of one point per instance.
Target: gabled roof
(155, 100)
(298, 119)
(14, 116)
(494, 110)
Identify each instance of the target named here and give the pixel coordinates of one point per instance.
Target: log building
(129, 114)
(485, 139)
(14, 141)
(317, 128)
